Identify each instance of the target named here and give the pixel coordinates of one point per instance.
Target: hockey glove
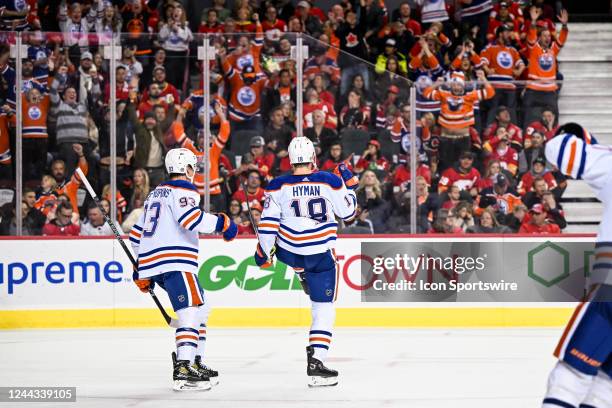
(261, 258)
(227, 227)
(350, 181)
(143, 284)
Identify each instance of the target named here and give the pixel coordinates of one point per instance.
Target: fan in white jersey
(582, 377)
(299, 226)
(165, 240)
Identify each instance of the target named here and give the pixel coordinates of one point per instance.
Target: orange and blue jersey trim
(269, 225)
(191, 219)
(168, 255)
(135, 234)
(312, 237)
(576, 158)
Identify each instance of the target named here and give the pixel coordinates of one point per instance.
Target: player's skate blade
(187, 378)
(206, 371)
(318, 374)
(317, 381)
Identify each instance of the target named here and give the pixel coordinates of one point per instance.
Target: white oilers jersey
(300, 212)
(590, 163)
(165, 238)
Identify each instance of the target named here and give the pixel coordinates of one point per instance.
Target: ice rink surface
(260, 368)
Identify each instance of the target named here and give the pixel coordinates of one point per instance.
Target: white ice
(261, 368)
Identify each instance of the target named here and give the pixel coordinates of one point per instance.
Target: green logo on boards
(219, 272)
(548, 264)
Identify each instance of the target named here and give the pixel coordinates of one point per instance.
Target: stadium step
(577, 189)
(588, 105)
(578, 70)
(583, 212)
(581, 229)
(586, 88)
(589, 27)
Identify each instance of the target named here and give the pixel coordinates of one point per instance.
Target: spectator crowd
(484, 73)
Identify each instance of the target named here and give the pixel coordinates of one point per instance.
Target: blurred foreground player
(165, 241)
(582, 377)
(298, 225)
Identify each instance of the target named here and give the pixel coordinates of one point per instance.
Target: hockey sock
(600, 392)
(323, 316)
(187, 333)
(203, 312)
(567, 387)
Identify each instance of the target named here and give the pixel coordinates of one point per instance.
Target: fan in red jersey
(463, 175)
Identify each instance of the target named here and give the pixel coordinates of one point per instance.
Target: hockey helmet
(576, 130)
(177, 161)
(301, 150)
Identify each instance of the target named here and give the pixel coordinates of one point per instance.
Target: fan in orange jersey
(56, 184)
(35, 109)
(217, 145)
(71, 186)
(245, 93)
(543, 49)
(503, 64)
(249, 52)
(456, 114)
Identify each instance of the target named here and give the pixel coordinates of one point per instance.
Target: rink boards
(87, 283)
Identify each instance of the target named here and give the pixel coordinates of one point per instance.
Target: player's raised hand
(563, 17)
(350, 181)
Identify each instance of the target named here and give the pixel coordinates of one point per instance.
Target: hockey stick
(246, 197)
(171, 322)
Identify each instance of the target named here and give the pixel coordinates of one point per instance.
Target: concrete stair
(586, 98)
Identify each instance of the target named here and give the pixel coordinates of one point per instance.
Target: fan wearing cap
(538, 169)
(371, 159)
(390, 50)
(500, 197)
(543, 50)
(464, 174)
(583, 374)
(456, 113)
(246, 92)
(167, 91)
(538, 224)
(503, 64)
(259, 158)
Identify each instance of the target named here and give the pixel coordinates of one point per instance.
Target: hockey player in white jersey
(298, 226)
(582, 376)
(165, 241)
